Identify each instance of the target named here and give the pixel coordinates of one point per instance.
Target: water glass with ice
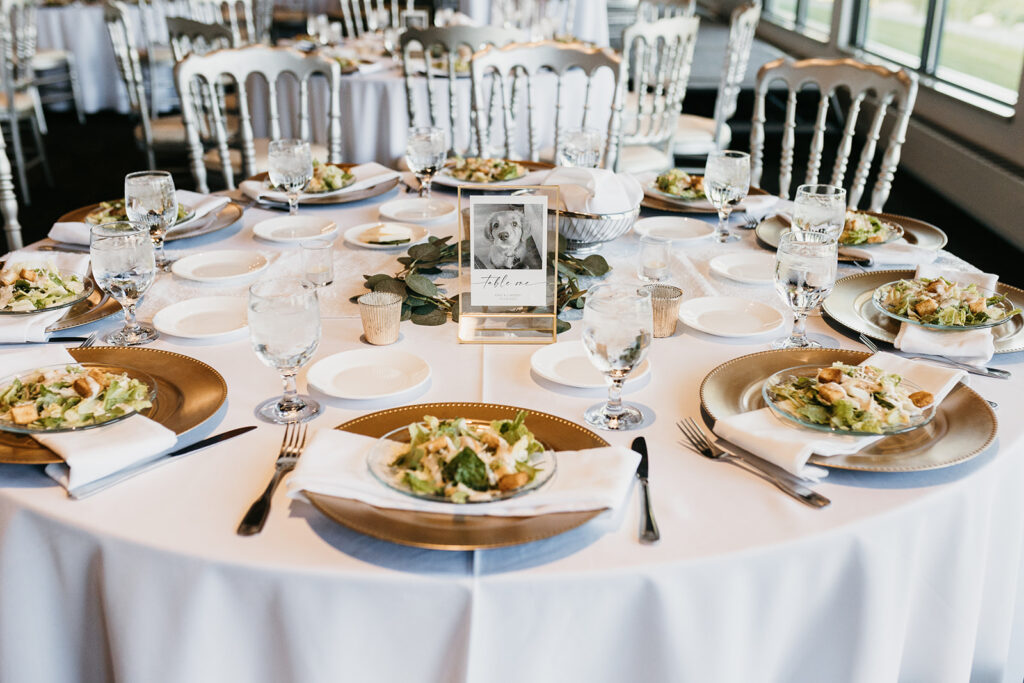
(726, 183)
(580, 148)
(124, 265)
(820, 208)
(149, 199)
(425, 153)
(805, 272)
(290, 164)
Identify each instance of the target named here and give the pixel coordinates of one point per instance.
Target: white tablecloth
(905, 577)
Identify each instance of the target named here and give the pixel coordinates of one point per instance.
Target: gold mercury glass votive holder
(665, 300)
(382, 314)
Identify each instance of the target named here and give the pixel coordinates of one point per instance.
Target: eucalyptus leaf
(436, 317)
(425, 252)
(420, 284)
(372, 280)
(562, 326)
(424, 309)
(406, 312)
(455, 309)
(391, 285)
(597, 265)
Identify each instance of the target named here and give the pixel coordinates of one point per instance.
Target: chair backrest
(19, 28)
(238, 65)
(8, 200)
(237, 15)
(661, 54)
(456, 44)
(515, 67)
(121, 30)
(189, 36)
(742, 27)
(895, 92)
(542, 19)
(652, 10)
(362, 16)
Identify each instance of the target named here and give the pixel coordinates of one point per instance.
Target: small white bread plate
(363, 235)
(364, 374)
(219, 266)
(203, 318)
(751, 268)
(726, 316)
(417, 210)
(294, 228)
(567, 363)
(675, 228)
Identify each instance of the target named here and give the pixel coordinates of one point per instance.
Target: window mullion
(859, 26)
(801, 13)
(932, 35)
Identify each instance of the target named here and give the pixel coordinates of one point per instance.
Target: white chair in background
(894, 94)
(238, 15)
(539, 18)
(367, 16)
(659, 54)
(652, 10)
(697, 136)
(8, 201)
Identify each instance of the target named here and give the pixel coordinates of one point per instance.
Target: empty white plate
(417, 210)
(726, 316)
(218, 266)
(567, 363)
(368, 373)
(752, 268)
(203, 318)
(675, 228)
(369, 235)
(294, 228)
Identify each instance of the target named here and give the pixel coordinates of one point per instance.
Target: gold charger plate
(342, 198)
(694, 206)
(97, 306)
(850, 305)
(964, 424)
(915, 231)
(212, 222)
(458, 532)
(188, 393)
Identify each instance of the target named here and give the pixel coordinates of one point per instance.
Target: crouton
(830, 392)
(82, 387)
(921, 399)
(24, 413)
(513, 481)
(977, 305)
(99, 377)
(926, 307)
(936, 285)
(830, 375)
(697, 183)
(7, 278)
(876, 238)
(28, 274)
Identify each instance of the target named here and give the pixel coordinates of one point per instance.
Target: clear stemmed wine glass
(726, 182)
(805, 271)
(284, 327)
(291, 168)
(425, 151)
(124, 264)
(618, 324)
(580, 148)
(149, 199)
(820, 208)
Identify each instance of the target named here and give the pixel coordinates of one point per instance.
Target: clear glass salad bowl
(88, 286)
(893, 232)
(1004, 305)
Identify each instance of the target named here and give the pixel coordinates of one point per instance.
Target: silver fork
(943, 360)
(699, 443)
(291, 448)
(750, 223)
(89, 341)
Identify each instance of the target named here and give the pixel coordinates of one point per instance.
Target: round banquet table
(905, 577)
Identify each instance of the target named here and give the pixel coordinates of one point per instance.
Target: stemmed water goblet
(425, 151)
(726, 183)
(820, 208)
(805, 272)
(290, 168)
(149, 199)
(284, 328)
(580, 148)
(124, 265)
(618, 323)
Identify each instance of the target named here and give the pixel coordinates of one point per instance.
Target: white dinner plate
(675, 228)
(417, 210)
(752, 268)
(726, 316)
(359, 235)
(365, 374)
(203, 318)
(219, 266)
(294, 228)
(567, 363)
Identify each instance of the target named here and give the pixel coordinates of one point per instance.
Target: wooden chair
(660, 54)
(8, 201)
(894, 93)
(697, 136)
(514, 68)
(238, 65)
(451, 42)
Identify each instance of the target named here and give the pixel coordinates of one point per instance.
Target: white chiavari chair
(894, 94)
(367, 16)
(8, 201)
(652, 10)
(237, 15)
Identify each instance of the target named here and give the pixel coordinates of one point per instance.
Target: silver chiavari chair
(367, 16)
(8, 201)
(652, 10)
(894, 94)
(455, 44)
(238, 65)
(237, 15)
(659, 55)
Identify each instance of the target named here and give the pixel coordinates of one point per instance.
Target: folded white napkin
(971, 346)
(77, 232)
(759, 205)
(70, 232)
(202, 204)
(896, 253)
(335, 464)
(31, 327)
(789, 445)
(595, 190)
(367, 175)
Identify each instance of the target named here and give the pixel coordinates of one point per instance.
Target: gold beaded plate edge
(188, 393)
(850, 305)
(963, 427)
(458, 532)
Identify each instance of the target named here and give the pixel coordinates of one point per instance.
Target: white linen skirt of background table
(590, 24)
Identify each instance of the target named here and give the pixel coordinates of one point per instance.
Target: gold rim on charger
(439, 531)
(915, 232)
(963, 427)
(342, 198)
(188, 393)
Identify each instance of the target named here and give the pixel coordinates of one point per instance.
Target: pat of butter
(386, 232)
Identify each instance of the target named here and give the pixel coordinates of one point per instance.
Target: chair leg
(37, 105)
(19, 160)
(42, 153)
(76, 92)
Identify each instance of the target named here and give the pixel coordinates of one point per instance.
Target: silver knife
(769, 471)
(649, 528)
(210, 440)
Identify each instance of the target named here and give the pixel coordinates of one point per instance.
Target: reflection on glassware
(291, 168)
(805, 271)
(820, 208)
(425, 152)
(318, 262)
(655, 257)
(284, 327)
(580, 148)
(617, 329)
(726, 182)
(149, 199)
(123, 262)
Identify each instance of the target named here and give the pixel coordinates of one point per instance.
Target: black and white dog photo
(505, 236)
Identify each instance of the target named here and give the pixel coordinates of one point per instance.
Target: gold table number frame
(491, 324)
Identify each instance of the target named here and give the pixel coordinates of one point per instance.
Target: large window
(812, 17)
